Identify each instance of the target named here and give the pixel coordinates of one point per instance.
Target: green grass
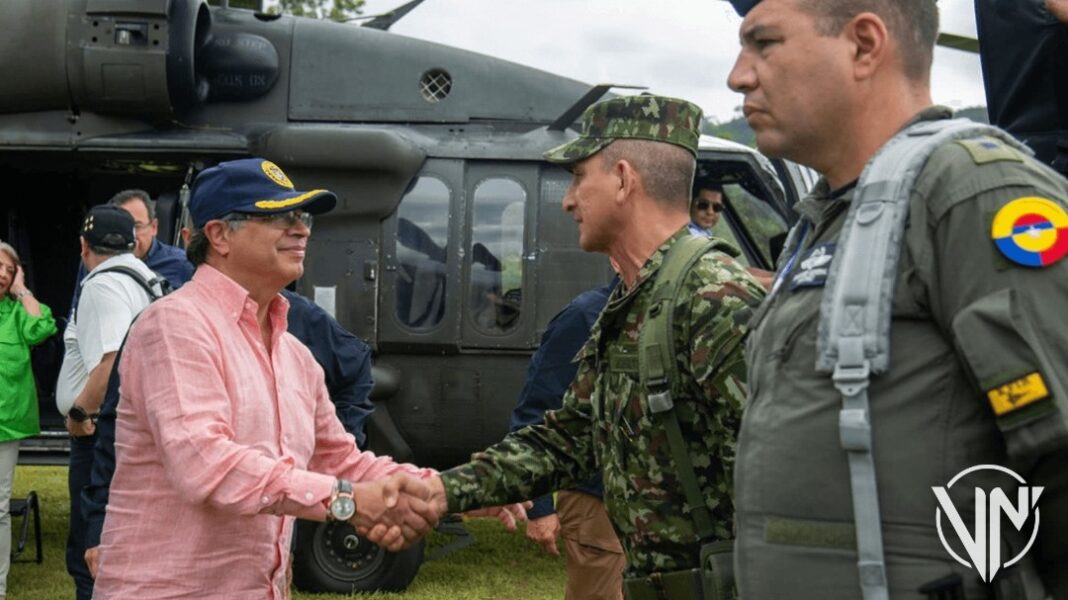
(500, 566)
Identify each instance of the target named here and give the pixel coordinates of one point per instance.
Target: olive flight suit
(965, 321)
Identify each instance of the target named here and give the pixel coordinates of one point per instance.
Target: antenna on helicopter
(386, 20)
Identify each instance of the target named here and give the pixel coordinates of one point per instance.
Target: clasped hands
(397, 511)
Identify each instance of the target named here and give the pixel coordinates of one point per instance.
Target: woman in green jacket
(24, 322)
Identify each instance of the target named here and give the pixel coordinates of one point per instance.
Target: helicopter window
(496, 254)
(422, 240)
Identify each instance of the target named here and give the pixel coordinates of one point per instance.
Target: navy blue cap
(110, 227)
(252, 186)
(742, 7)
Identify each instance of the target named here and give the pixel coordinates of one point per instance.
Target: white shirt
(109, 303)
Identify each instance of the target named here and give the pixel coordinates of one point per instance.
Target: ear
(219, 236)
(186, 234)
(83, 247)
(629, 180)
(871, 42)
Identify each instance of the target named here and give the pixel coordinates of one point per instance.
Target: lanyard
(789, 266)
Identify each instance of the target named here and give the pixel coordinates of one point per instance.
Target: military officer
(977, 337)
(633, 168)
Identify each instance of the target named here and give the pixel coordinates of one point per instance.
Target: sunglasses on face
(704, 205)
(283, 220)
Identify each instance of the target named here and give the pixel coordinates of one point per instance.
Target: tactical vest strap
(659, 371)
(854, 328)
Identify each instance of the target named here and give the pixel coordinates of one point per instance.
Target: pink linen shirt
(218, 445)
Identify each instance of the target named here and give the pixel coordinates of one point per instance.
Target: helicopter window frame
(432, 281)
(496, 311)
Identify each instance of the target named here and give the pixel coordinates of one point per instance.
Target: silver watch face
(342, 508)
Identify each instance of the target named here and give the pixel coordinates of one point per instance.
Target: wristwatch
(342, 505)
(77, 414)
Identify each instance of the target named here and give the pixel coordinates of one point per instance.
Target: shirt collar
(622, 294)
(126, 258)
(152, 249)
(234, 300)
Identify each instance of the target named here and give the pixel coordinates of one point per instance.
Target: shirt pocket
(14, 359)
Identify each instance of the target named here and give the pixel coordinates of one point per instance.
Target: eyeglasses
(284, 220)
(715, 207)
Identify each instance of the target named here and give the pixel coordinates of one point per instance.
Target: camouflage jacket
(605, 425)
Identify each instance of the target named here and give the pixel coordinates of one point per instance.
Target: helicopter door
(500, 222)
(421, 273)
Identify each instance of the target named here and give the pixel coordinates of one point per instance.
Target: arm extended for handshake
(398, 511)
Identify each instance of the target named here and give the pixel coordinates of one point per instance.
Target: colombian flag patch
(1031, 231)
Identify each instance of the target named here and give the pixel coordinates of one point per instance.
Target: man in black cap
(110, 299)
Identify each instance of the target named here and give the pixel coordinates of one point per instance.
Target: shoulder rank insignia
(986, 150)
(1031, 231)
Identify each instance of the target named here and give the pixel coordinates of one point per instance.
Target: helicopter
(447, 252)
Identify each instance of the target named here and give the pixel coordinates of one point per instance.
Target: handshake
(397, 511)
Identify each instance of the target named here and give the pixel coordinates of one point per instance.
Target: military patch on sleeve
(1018, 393)
(1031, 231)
(988, 150)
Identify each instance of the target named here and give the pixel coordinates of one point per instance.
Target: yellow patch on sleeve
(987, 150)
(1018, 393)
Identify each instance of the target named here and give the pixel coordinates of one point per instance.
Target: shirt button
(265, 500)
(308, 496)
(285, 438)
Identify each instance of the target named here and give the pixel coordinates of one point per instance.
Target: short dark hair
(102, 251)
(126, 196)
(666, 169)
(913, 23)
(196, 251)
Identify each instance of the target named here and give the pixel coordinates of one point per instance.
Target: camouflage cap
(644, 117)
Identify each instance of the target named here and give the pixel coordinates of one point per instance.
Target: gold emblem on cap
(88, 223)
(276, 174)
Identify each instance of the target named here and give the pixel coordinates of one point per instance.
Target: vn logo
(983, 542)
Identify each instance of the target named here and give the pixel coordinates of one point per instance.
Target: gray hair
(127, 196)
(666, 170)
(9, 250)
(197, 248)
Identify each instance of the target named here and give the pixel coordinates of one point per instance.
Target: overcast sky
(679, 48)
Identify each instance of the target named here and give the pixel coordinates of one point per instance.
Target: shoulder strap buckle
(659, 395)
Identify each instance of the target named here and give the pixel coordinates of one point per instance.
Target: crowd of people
(681, 413)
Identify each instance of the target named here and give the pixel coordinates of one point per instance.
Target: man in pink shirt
(225, 430)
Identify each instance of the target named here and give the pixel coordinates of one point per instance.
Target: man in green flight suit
(978, 342)
(633, 170)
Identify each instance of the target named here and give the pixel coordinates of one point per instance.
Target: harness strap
(854, 328)
(659, 371)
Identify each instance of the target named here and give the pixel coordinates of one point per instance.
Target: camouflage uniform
(605, 423)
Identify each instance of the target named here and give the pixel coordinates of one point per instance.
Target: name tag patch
(1018, 393)
(814, 266)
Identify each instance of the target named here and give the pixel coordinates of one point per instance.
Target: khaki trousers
(595, 559)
